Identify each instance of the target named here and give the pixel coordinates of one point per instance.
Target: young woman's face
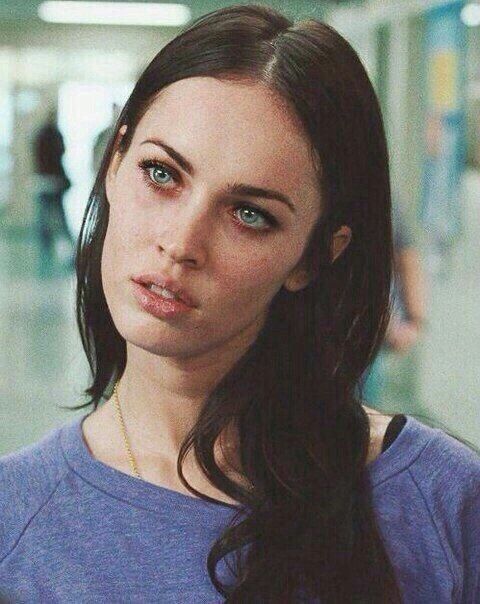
(231, 251)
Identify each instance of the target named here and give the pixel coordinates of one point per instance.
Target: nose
(185, 240)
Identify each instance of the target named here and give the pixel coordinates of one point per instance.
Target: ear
(298, 278)
(297, 281)
(340, 241)
(114, 163)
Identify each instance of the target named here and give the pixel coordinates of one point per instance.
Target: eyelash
(148, 164)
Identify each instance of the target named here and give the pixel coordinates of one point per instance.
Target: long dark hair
(303, 433)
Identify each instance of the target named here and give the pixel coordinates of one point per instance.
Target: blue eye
(247, 219)
(162, 171)
(150, 167)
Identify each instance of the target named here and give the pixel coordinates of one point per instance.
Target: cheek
(118, 249)
(252, 279)
(126, 221)
(109, 253)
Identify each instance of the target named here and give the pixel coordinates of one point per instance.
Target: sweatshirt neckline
(402, 452)
(131, 490)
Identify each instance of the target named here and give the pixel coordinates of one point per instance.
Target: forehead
(238, 125)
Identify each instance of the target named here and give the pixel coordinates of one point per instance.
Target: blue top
(73, 529)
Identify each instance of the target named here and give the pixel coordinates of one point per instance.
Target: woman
(234, 270)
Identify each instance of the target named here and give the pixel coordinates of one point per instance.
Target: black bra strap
(393, 430)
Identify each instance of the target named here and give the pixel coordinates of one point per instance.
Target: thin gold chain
(128, 449)
(133, 465)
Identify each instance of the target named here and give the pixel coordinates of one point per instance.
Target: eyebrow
(232, 188)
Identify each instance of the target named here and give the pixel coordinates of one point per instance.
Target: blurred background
(65, 72)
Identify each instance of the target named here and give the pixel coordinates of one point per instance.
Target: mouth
(157, 304)
(162, 291)
(165, 287)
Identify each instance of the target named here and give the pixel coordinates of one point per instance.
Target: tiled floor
(42, 365)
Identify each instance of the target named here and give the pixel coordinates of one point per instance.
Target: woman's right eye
(157, 175)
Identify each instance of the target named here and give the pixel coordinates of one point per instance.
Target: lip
(157, 305)
(164, 281)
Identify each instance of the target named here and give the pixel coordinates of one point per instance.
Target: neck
(161, 397)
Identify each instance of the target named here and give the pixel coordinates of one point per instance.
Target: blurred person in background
(408, 310)
(50, 184)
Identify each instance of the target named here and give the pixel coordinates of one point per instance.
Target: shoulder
(447, 461)
(447, 474)
(28, 478)
(427, 498)
(433, 468)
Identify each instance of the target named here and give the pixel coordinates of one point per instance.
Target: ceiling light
(470, 15)
(114, 13)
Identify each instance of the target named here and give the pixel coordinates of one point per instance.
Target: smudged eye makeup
(160, 177)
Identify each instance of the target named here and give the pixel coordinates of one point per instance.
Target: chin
(149, 333)
(157, 337)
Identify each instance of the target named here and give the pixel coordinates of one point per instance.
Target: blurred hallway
(450, 376)
(439, 376)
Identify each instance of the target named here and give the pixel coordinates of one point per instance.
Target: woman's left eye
(267, 220)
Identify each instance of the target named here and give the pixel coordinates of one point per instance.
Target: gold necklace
(133, 465)
(128, 449)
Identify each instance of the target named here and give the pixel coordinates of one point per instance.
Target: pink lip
(163, 281)
(157, 305)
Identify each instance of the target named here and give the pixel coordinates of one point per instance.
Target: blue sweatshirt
(73, 529)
